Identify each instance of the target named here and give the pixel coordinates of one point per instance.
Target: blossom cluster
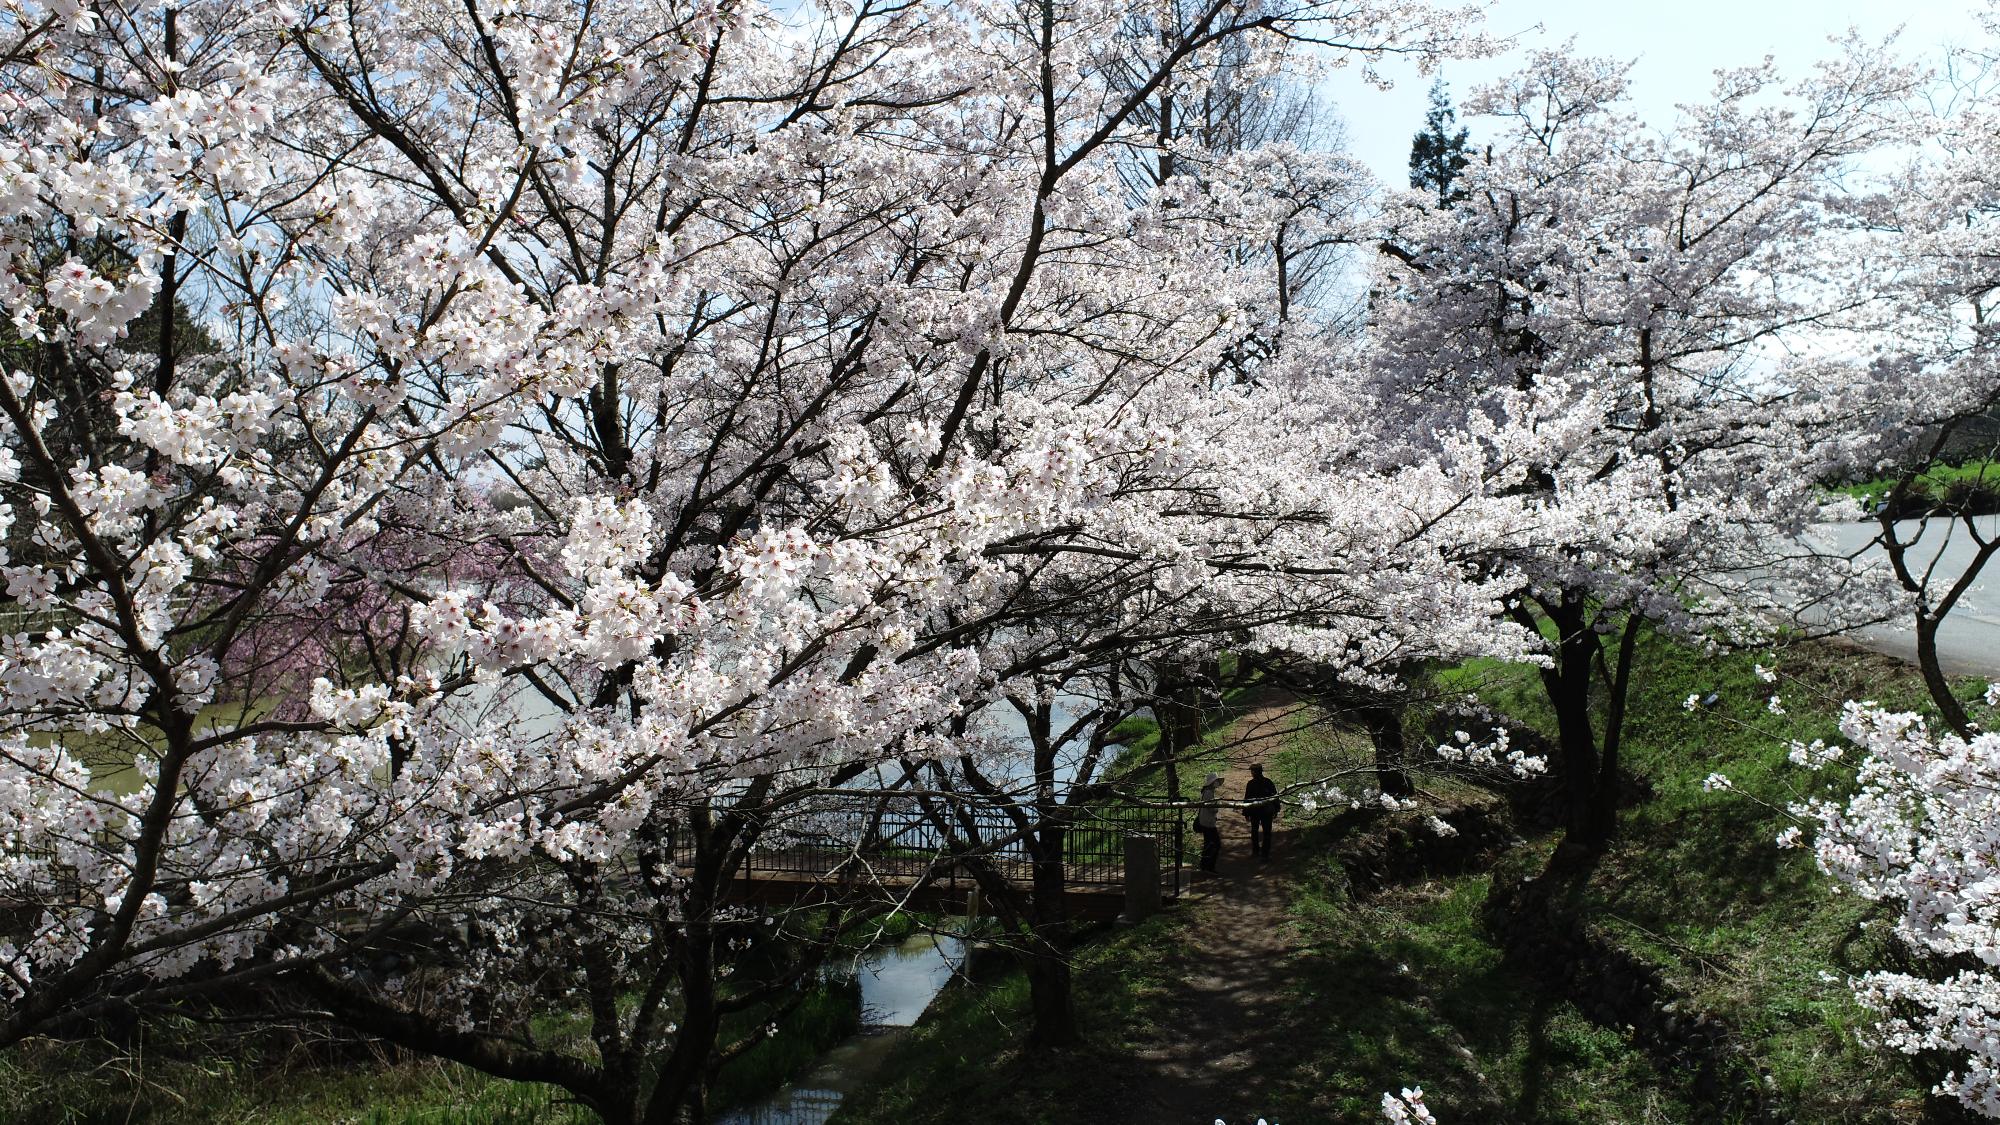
(1920, 833)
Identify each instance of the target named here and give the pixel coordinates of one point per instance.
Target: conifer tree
(1438, 151)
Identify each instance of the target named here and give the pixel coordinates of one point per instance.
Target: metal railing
(903, 838)
(14, 619)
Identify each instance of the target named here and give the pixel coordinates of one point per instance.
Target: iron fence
(905, 837)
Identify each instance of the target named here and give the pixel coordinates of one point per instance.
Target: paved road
(1969, 640)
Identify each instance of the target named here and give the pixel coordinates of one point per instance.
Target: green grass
(1318, 748)
(1696, 883)
(44, 1083)
(182, 1077)
(1414, 991)
(1748, 930)
(1140, 736)
(831, 1013)
(1402, 990)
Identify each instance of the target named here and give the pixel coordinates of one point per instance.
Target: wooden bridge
(922, 855)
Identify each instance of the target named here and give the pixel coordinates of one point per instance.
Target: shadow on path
(1228, 1022)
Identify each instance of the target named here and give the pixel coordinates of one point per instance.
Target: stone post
(1142, 877)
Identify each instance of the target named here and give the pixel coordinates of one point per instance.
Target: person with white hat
(1205, 822)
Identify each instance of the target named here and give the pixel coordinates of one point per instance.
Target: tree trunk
(1606, 795)
(1051, 999)
(676, 1091)
(1935, 681)
(1590, 796)
(1384, 722)
(675, 1096)
(1177, 709)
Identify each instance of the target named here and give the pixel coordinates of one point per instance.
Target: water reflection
(897, 983)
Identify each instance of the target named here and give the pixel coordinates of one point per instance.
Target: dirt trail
(1231, 1015)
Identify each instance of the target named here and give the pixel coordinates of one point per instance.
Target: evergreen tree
(1438, 152)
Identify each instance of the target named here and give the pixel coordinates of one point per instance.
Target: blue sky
(1678, 45)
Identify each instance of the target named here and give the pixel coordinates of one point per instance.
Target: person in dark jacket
(1260, 804)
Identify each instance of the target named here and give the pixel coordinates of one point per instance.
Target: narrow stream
(897, 983)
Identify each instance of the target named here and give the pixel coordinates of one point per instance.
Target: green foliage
(1438, 153)
(1972, 486)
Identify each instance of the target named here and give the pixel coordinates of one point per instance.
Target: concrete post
(1142, 877)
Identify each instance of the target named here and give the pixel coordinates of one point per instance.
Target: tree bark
(1586, 792)
(1384, 723)
(1177, 709)
(1935, 681)
(675, 1095)
(1051, 998)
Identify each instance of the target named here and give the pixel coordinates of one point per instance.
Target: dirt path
(1230, 1016)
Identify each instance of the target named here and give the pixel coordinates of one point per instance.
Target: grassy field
(1747, 931)
(1411, 985)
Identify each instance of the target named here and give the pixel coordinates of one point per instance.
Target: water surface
(897, 983)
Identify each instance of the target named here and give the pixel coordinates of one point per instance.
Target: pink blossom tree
(1915, 828)
(823, 350)
(1607, 312)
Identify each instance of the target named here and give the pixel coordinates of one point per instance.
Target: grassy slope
(1406, 986)
(45, 1084)
(1697, 884)
(1936, 483)
(187, 1081)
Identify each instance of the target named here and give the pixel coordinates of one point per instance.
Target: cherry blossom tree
(1927, 398)
(1616, 304)
(815, 351)
(1285, 558)
(1914, 830)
